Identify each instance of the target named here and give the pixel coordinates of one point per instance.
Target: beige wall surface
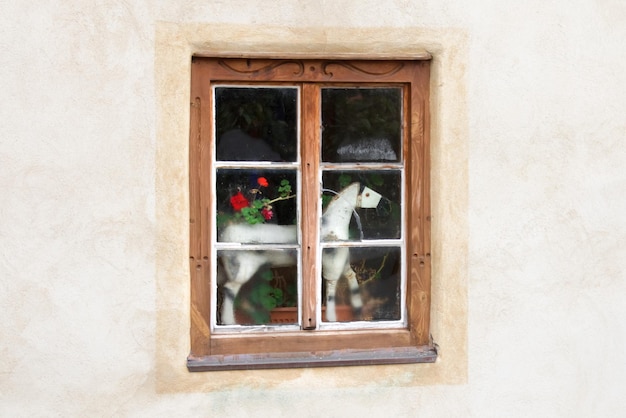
(529, 206)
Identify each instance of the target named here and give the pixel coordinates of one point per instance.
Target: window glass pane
(255, 205)
(361, 124)
(256, 124)
(361, 283)
(376, 196)
(253, 283)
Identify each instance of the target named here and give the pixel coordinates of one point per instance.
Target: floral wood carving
(260, 67)
(253, 68)
(353, 67)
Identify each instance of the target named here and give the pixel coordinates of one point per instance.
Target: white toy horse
(240, 266)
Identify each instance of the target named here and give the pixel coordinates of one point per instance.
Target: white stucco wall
(531, 232)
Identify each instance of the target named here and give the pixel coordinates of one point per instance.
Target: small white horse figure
(240, 266)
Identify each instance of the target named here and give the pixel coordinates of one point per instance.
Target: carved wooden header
(309, 70)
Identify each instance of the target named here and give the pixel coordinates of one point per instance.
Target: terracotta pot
(284, 315)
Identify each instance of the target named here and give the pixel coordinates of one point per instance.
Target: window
(309, 196)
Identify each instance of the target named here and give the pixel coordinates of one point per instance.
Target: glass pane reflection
(361, 124)
(380, 219)
(256, 204)
(375, 295)
(256, 124)
(273, 286)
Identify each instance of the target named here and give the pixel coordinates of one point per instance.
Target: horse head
(368, 198)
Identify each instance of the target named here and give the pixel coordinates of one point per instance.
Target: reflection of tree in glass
(267, 113)
(351, 114)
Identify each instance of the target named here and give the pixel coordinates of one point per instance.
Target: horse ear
(369, 198)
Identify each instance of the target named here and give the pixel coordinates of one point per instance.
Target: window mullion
(310, 149)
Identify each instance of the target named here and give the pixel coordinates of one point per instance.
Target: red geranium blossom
(267, 213)
(238, 201)
(262, 182)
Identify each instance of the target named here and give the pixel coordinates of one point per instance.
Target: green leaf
(278, 296)
(377, 180)
(267, 275)
(344, 180)
(326, 200)
(268, 301)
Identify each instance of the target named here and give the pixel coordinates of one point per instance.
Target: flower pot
(284, 315)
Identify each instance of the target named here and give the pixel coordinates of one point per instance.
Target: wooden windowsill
(331, 358)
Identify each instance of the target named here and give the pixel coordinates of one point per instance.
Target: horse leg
(230, 289)
(334, 262)
(239, 267)
(331, 289)
(355, 292)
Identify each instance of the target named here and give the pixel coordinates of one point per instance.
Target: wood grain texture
(308, 341)
(391, 71)
(310, 146)
(199, 221)
(418, 302)
(326, 358)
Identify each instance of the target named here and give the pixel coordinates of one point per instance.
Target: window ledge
(331, 358)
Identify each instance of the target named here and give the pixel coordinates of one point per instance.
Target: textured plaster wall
(529, 204)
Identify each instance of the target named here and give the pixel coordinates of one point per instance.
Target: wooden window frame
(310, 348)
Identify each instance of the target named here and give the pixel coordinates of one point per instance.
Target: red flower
(267, 213)
(262, 182)
(238, 201)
